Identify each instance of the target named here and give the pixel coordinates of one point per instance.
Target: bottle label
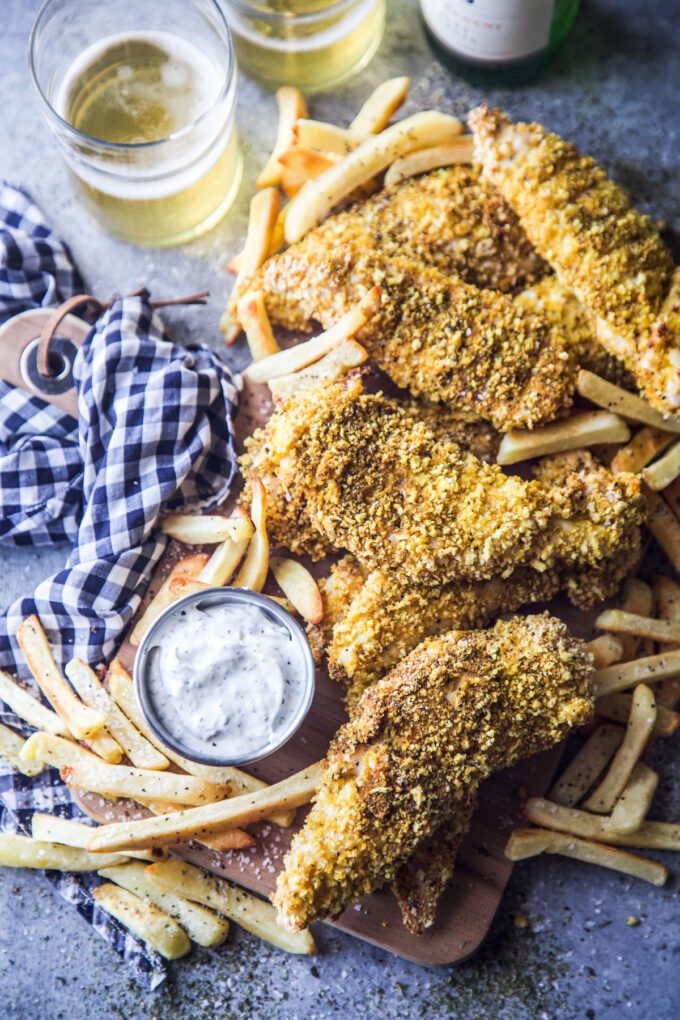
(499, 30)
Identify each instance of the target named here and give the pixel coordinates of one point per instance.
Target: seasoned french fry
(29, 708)
(254, 569)
(376, 153)
(252, 314)
(50, 829)
(120, 683)
(201, 925)
(382, 103)
(251, 913)
(144, 920)
(584, 429)
(317, 134)
(307, 163)
(206, 529)
(667, 595)
(181, 586)
(84, 771)
(424, 160)
(264, 209)
(190, 566)
(295, 358)
(605, 650)
(642, 448)
(105, 747)
(639, 626)
(231, 839)
(292, 106)
(82, 721)
(633, 804)
(525, 843)
(587, 765)
(616, 707)
(626, 404)
(141, 753)
(637, 598)
(296, 582)
(17, 851)
(664, 526)
(332, 366)
(650, 835)
(640, 726)
(648, 670)
(11, 744)
(664, 470)
(223, 562)
(211, 818)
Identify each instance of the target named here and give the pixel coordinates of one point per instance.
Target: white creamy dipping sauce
(225, 680)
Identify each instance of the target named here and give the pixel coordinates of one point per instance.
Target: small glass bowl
(221, 597)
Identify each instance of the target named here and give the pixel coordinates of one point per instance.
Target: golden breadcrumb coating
(383, 486)
(460, 707)
(610, 255)
(345, 580)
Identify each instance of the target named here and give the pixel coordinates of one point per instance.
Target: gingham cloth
(154, 432)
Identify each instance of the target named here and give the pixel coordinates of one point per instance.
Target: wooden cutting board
(468, 906)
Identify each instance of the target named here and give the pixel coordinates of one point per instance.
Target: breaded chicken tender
(379, 484)
(460, 707)
(607, 253)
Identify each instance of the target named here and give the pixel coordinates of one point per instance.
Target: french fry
(642, 448)
(122, 690)
(616, 707)
(105, 747)
(667, 595)
(623, 403)
(141, 753)
(605, 650)
(650, 835)
(585, 429)
(671, 495)
(248, 911)
(637, 598)
(292, 181)
(190, 566)
(66, 831)
(223, 562)
(231, 839)
(254, 569)
(17, 851)
(181, 586)
(277, 241)
(296, 582)
(664, 525)
(206, 529)
(664, 470)
(380, 106)
(264, 209)
(307, 163)
(376, 153)
(82, 721)
(619, 622)
(424, 160)
(252, 314)
(525, 843)
(292, 106)
(201, 925)
(648, 670)
(633, 804)
(333, 365)
(29, 708)
(84, 771)
(639, 729)
(317, 134)
(144, 920)
(295, 358)
(11, 744)
(195, 822)
(587, 765)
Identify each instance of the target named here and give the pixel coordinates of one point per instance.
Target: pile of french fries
(317, 166)
(98, 738)
(599, 804)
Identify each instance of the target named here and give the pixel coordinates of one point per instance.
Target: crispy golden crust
(372, 480)
(344, 582)
(457, 709)
(610, 255)
(446, 423)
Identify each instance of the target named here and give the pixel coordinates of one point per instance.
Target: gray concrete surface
(610, 90)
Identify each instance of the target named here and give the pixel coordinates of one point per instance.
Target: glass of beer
(140, 95)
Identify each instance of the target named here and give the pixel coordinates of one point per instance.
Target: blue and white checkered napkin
(154, 432)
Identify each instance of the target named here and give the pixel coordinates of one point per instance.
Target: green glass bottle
(497, 40)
